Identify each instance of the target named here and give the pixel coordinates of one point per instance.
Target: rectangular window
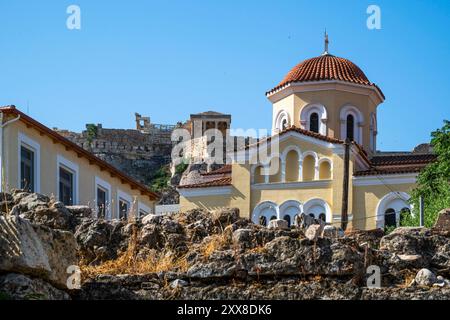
(101, 202)
(66, 186)
(27, 169)
(124, 206)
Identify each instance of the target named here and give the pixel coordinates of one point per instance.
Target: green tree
(433, 182)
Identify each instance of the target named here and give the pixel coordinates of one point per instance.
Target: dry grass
(216, 243)
(129, 263)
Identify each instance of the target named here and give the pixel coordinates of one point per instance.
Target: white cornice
(296, 87)
(292, 185)
(387, 179)
(205, 191)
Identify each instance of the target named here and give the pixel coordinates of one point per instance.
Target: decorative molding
(200, 192)
(298, 87)
(292, 185)
(389, 179)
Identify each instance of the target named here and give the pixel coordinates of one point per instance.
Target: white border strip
(291, 185)
(209, 191)
(385, 179)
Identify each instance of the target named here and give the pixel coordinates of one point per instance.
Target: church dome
(323, 68)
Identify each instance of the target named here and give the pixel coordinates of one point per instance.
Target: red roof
(224, 170)
(326, 67)
(397, 164)
(30, 122)
(301, 131)
(222, 182)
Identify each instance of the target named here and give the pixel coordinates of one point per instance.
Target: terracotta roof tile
(301, 131)
(80, 151)
(326, 67)
(214, 183)
(225, 169)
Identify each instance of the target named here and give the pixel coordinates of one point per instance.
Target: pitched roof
(397, 164)
(224, 170)
(57, 138)
(222, 182)
(301, 131)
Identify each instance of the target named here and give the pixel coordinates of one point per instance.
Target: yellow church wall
(205, 202)
(86, 189)
(366, 202)
(333, 100)
(279, 196)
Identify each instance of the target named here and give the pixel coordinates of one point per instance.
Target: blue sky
(167, 59)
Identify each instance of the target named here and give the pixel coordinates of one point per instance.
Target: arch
(291, 208)
(395, 201)
(358, 122)
(283, 161)
(310, 163)
(267, 209)
(305, 117)
(317, 207)
(325, 169)
(257, 174)
(276, 176)
(292, 165)
(282, 117)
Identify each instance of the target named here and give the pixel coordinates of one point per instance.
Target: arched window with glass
(350, 127)
(314, 122)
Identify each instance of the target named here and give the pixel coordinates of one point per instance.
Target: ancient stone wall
(138, 153)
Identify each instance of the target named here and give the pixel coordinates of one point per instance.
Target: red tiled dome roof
(326, 67)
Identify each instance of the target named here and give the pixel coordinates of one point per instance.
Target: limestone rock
(278, 224)
(425, 277)
(20, 287)
(332, 232)
(443, 222)
(36, 250)
(314, 232)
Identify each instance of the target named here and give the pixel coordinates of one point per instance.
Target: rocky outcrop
(20, 287)
(36, 250)
(209, 255)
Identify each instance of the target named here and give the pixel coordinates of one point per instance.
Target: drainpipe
(2, 145)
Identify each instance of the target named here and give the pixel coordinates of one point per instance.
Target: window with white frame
(143, 210)
(313, 117)
(282, 121)
(29, 164)
(124, 202)
(103, 198)
(352, 122)
(67, 181)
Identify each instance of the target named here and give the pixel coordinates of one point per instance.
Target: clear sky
(167, 59)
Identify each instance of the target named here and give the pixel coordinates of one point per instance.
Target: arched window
(259, 175)
(309, 164)
(324, 170)
(323, 217)
(292, 166)
(390, 219)
(350, 127)
(288, 219)
(284, 124)
(311, 215)
(273, 218)
(314, 122)
(405, 213)
(262, 221)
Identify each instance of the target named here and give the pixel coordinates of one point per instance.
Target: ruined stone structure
(138, 152)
